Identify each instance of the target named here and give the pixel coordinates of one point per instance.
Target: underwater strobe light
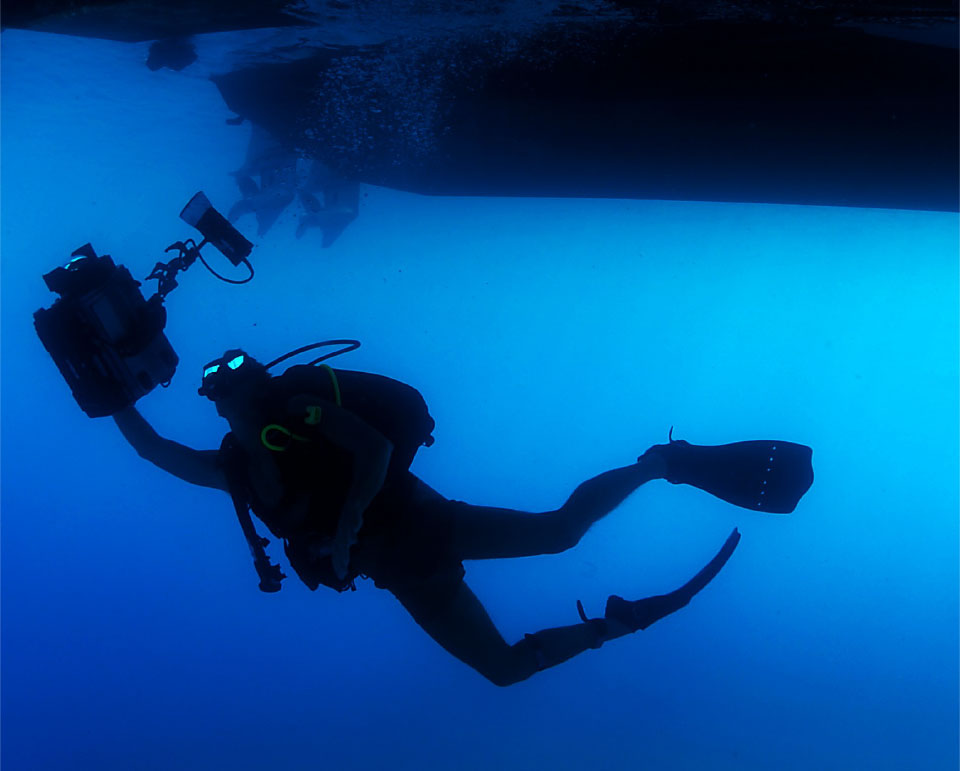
(107, 340)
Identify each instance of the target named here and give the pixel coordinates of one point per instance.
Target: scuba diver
(322, 457)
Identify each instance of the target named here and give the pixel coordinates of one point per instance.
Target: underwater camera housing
(106, 339)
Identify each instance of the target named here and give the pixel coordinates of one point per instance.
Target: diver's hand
(351, 520)
(321, 547)
(341, 553)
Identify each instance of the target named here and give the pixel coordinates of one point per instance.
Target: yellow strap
(283, 430)
(336, 385)
(312, 419)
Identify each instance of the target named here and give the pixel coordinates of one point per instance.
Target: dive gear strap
(270, 574)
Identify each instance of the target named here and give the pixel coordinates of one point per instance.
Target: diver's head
(234, 383)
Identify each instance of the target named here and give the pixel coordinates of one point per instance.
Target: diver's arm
(369, 472)
(199, 467)
(371, 450)
(371, 453)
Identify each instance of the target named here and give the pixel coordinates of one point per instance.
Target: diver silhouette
(322, 457)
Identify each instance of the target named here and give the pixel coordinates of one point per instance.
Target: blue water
(552, 339)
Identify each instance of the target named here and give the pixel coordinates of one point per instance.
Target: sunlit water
(552, 339)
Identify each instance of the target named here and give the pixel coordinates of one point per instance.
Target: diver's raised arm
(198, 467)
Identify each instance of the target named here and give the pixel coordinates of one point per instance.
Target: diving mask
(220, 373)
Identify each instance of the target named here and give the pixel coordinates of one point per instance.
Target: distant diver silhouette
(329, 202)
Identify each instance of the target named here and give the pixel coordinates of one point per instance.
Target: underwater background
(552, 339)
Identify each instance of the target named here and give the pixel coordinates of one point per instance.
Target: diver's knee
(502, 679)
(565, 532)
(517, 663)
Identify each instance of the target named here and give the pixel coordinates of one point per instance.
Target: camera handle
(188, 253)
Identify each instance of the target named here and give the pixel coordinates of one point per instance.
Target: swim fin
(762, 475)
(639, 614)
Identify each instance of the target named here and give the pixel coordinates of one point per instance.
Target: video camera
(106, 339)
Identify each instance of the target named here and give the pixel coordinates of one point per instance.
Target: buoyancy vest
(309, 463)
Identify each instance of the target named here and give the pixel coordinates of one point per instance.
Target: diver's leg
(481, 532)
(459, 623)
(452, 615)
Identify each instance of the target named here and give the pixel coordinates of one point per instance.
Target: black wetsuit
(405, 544)
(413, 542)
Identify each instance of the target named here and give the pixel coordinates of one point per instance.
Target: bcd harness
(395, 409)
